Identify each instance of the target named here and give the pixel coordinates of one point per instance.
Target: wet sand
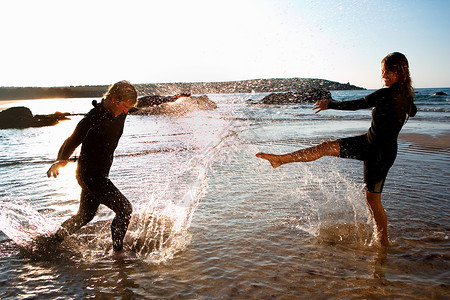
(426, 141)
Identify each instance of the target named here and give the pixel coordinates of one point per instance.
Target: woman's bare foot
(117, 254)
(272, 158)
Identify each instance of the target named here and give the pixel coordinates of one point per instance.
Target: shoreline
(4, 104)
(7, 103)
(428, 141)
(4, 101)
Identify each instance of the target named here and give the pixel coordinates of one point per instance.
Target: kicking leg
(330, 148)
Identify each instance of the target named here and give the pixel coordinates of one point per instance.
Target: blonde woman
(98, 133)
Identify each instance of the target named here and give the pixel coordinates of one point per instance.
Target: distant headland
(242, 86)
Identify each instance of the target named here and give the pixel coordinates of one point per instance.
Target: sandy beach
(9, 103)
(427, 141)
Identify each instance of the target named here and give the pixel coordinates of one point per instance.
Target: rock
(179, 106)
(16, 117)
(440, 94)
(154, 100)
(21, 117)
(296, 97)
(52, 119)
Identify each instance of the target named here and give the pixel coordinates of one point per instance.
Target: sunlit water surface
(211, 221)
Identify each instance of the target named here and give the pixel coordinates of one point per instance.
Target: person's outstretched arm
(321, 105)
(362, 103)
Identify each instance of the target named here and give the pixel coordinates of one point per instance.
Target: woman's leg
(86, 212)
(109, 195)
(123, 209)
(330, 148)
(379, 215)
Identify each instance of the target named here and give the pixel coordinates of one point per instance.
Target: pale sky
(59, 43)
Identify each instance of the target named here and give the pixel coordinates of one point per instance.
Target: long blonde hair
(397, 63)
(123, 90)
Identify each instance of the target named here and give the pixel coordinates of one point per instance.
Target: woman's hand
(54, 168)
(321, 105)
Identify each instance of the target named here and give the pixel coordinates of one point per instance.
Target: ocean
(212, 221)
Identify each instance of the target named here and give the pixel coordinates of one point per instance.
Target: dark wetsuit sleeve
(72, 142)
(366, 102)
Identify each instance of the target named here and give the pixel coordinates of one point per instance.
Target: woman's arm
(325, 104)
(73, 141)
(362, 103)
(69, 145)
(54, 168)
(321, 105)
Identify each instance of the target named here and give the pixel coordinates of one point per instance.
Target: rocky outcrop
(177, 106)
(273, 85)
(21, 117)
(154, 100)
(296, 97)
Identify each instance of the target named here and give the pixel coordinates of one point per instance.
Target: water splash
(22, 223)
(328, 202)
(338, 208)
(160, 229)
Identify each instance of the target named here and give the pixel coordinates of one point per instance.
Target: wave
(159, 150)
(433, 109)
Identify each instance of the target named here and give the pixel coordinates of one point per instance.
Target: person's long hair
(397, 63)
(123, 90)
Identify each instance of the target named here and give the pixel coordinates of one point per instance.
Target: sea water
(212, 221)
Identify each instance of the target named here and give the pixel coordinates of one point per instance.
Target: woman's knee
(86, 216)
(124, 210)
(128, 209)
(330, 148)
(374, 199)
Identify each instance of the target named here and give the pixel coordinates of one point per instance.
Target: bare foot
(118, 254)
(272, 158)
(384, 242)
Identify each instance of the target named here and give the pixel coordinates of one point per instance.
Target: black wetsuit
(99, 133)
(378, 147)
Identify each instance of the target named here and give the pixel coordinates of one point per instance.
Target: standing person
(392, 106)
(98, 133)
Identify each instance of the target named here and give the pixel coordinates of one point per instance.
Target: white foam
(21, 222)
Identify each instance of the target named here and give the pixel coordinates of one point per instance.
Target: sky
(96, 42)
